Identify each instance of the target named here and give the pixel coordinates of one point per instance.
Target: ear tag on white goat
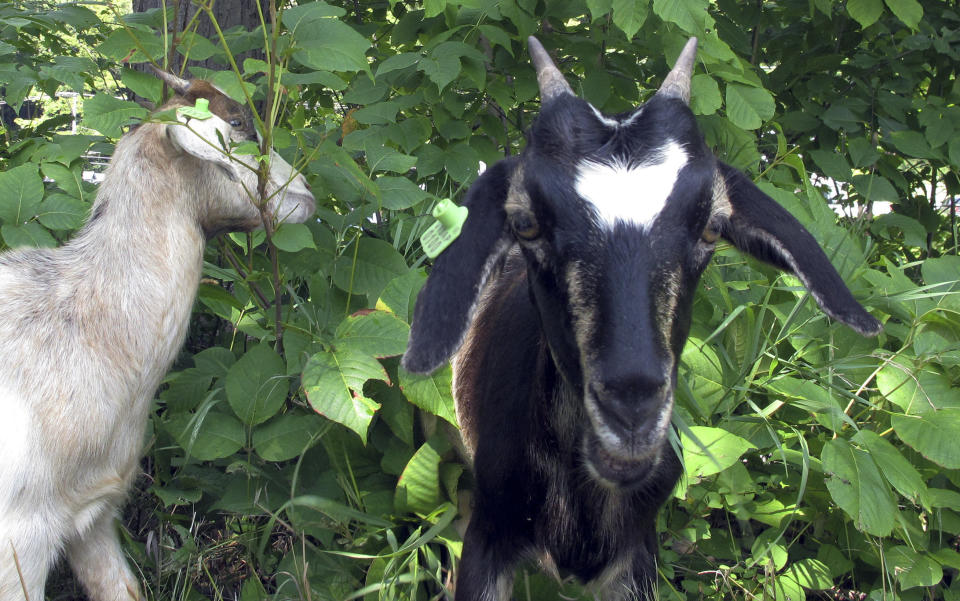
(200, 110)
(438, 236)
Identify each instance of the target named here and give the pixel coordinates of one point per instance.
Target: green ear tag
(201, 110)
(438, 236)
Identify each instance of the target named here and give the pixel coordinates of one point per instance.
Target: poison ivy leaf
(855, 483)
(497, 36)
(293, 237)
(896, 469)
(811, 574)
(865, 12)
(748, 107)
(377, 262)
(462, 162)
(107, 114)
(286, 436)
(377, 333)
(257, 385)
(70, 70)
(334, 382)
(122, 45)
(21, 191)
(431, 393)
(908, 11)
(914, 234)
(629, 15)
(418, 489)
(599, 8)
(29, 234)
(934, 434)
(384, 158)
(713, 451)
(441, 67)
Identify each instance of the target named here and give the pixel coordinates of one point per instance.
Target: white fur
(87, 333)
(632, 194)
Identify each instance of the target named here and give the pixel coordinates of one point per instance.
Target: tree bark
(229, 13)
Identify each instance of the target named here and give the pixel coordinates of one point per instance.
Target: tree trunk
(228, 13)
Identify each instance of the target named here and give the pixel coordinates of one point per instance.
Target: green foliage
(815, 459)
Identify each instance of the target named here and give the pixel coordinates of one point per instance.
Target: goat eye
(235, 123)
(525, 226)
(710, 233)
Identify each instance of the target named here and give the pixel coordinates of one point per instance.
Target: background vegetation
(289, 457)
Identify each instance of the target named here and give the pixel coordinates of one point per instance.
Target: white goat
(90, 328)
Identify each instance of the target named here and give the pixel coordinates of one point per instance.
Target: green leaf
(833, 164)
(257, 385)
(934, 434)
(712, 451)
(398, 193)
(207, 436)
(912, 143)
(334, 382)
(908, 11)
(912, 568)
(107, 114)
(629, 15)
(916, 391)
(431, 393)
(855, 483)
(896, 469)
(21, 191)
(690, 15)
(376, 333)
(62, 212)
(292, 237)
(377, 262)
(811, 574)
(286, 436)
(865, 12)
(400, 294)
(29, 234)
(875, 188)
(599, 8)
(704, 377)
(462, 162)
(121, 45)
(307, 13)
(418, 489)
(384, 158)
(397, 62)
(748, 107)
(814, 398)
(705, 98)
(432, 8)
(497, 36)
(441, 67)
(331, 45)
(70, 70)
(68, 180)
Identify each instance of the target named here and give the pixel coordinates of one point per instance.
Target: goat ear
(203, 138)
(446, 304)
(758, 225)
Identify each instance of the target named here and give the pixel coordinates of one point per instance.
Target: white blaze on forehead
(631, 194)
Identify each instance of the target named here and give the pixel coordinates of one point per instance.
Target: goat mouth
(617, 470)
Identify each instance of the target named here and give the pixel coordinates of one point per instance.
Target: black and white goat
(568, 295)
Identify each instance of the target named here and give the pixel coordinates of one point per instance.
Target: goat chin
(621, 471)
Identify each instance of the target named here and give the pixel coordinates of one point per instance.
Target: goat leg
(98, 563)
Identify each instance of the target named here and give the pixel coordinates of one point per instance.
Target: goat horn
(177, 84)
(677, 82)
(550, 79)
